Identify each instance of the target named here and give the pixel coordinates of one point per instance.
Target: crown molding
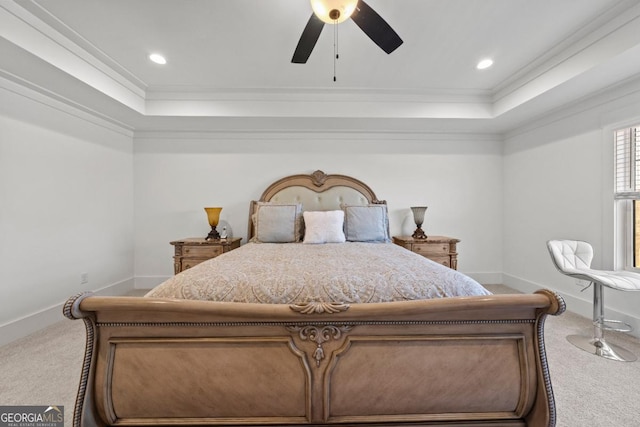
(315, 134)
(29, 32)
(305, 102)
(602, 39)
(603, 105)
(302, 93)
(18, 86)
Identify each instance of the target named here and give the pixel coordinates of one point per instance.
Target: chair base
(611, 325)
(601, 348)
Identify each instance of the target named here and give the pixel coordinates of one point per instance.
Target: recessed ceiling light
(157, 58)
(485, 63)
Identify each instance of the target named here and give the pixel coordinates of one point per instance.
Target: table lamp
(418, 217)
(213, 214)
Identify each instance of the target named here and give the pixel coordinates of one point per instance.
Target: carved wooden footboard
(468, 361)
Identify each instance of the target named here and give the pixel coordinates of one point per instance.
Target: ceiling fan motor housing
(333, 11)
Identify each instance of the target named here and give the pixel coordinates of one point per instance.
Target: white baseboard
(486, 278)
(33, 322)
(119, 288)
(581, 306)
(149, 282)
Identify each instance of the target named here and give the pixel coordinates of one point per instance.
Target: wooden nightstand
(440, 249)
(194, 250)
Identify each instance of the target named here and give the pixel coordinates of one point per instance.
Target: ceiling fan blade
(307, 40)
(375, 27)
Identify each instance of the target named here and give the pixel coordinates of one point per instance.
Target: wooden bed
(463, 361)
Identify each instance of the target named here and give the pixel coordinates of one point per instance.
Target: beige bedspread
(295, 273)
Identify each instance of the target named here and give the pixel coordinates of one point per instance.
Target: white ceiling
(229, 62)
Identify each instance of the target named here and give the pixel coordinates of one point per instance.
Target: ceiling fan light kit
(333, 11)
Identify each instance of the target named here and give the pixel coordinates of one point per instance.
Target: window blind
(627, 163)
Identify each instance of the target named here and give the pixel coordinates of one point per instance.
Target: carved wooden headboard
(316, 192)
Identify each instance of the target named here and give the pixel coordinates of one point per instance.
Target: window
(627, 192)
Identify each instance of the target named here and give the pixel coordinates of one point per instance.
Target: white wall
(558, 184)
(458, 178)
(66, 208)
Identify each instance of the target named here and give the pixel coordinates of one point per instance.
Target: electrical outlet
(84, 278)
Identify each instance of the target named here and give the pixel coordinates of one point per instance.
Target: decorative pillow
(277, 223)
(323, 227)
(366, 223)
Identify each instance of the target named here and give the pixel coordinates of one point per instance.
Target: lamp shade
(418, 214)
(213, 214)
(333, 11)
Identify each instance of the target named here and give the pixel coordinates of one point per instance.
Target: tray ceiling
(229, 62)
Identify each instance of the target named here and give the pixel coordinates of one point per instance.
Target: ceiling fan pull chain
(337, 40)
(335, 47)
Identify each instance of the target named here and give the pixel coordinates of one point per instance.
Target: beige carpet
(44, 369)
(590, 391)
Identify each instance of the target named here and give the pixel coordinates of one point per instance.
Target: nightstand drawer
(431, 248)
(202, 251)
(446, 261)
(188, 263)
(440, 249)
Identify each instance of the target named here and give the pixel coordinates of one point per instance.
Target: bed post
(84, 410)
(545, 406)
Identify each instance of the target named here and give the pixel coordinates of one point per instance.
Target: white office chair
(573, 258)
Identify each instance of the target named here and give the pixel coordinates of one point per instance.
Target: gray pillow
(368, 223)
(277, 223)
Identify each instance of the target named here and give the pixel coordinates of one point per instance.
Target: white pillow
(323, 227)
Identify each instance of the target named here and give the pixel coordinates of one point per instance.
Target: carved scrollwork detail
(319, 335)
(319, 307)
(318, 178)
(71, 309)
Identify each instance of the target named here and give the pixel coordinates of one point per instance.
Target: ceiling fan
(337, 11)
